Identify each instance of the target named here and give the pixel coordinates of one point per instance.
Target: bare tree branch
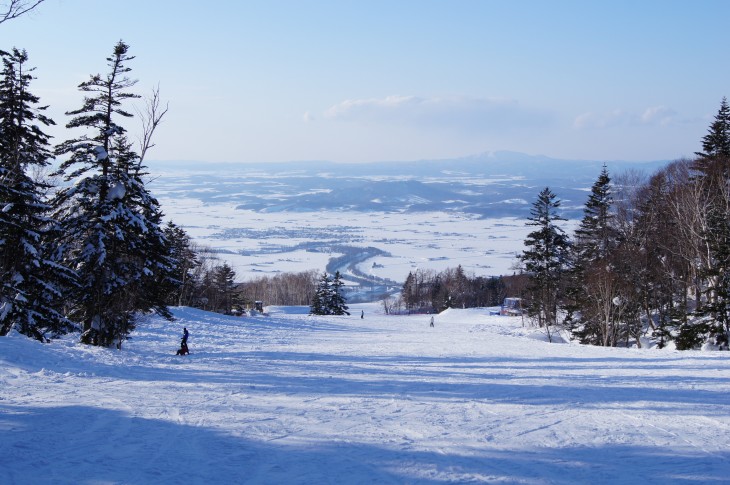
(13, 9)
(151, 118)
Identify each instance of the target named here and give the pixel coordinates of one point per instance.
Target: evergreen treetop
(595, 236)
(716, 143)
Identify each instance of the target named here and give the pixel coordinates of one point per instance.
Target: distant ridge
(479, 162)
(492, 184)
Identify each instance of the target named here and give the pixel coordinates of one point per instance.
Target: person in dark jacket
(183, 350)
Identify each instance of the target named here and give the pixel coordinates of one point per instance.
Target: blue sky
(373, 80)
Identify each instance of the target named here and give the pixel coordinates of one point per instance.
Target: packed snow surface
(287, 398)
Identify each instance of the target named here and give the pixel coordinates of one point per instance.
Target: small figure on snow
(431, 321)
(183, 350)
(362, 314)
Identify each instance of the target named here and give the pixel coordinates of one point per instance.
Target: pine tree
(713, 176)
(716, 143)
(594, 282)
(545, 259)
(185, 260)
(337, 304)
(223, 287)
(109, 221)
(321, 298)
(595, 237)
(409, 291)
(30, 281)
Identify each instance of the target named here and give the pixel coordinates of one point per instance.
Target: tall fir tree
(30, 281)
(545, 260)
(716, 143)
(596, 236)
(224, 289)
(320, 300)
(593, 280)
(338, 304)
(109, 220)
(408, 291)
(180, 290)
(328, 298)
(712, 167)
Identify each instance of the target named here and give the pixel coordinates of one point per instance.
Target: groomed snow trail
(290, 398)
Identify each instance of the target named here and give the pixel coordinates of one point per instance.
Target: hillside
(290, 398)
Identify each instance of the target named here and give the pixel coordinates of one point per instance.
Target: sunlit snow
(293, 399)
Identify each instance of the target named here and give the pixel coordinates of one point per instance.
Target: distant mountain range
(496, 184)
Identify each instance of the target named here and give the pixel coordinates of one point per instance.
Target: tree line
(429, 291)
(82, 247)
(651, 255)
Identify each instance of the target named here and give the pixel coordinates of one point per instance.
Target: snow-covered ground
(265, 244)
(291, 399)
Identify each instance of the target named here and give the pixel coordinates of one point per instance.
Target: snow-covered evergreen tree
(321, 298)
(545, 260)
(185, 260)
(596, 236)
(409, 290)
(712, 168)
(223, 289)
(337, 304)
(30, 281)
(716, 143)
(328, 298)
(594, 283)
(110, 222)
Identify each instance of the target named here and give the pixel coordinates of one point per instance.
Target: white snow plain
(426, 240)
(288, 398)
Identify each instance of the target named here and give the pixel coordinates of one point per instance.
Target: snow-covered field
(269, 219)
(265, 244)
(291, 399)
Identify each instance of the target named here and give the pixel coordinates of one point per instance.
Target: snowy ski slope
(293, 399)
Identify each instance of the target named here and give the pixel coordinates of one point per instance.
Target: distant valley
(284, 217)
(500, 184)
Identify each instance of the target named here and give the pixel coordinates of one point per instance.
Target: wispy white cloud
(658, 115)
(453, 112)
(601, 120)
(652, 116)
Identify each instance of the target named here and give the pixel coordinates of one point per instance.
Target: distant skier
(183, 350)
(431, 321)
(362, 314)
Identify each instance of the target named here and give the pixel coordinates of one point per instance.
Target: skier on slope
(183, 350)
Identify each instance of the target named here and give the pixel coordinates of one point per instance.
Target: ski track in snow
(290, 398)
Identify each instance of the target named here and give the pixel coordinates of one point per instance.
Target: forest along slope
(292, 398)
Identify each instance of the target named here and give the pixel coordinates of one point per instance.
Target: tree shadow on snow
(89, 445)
(491, 379)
